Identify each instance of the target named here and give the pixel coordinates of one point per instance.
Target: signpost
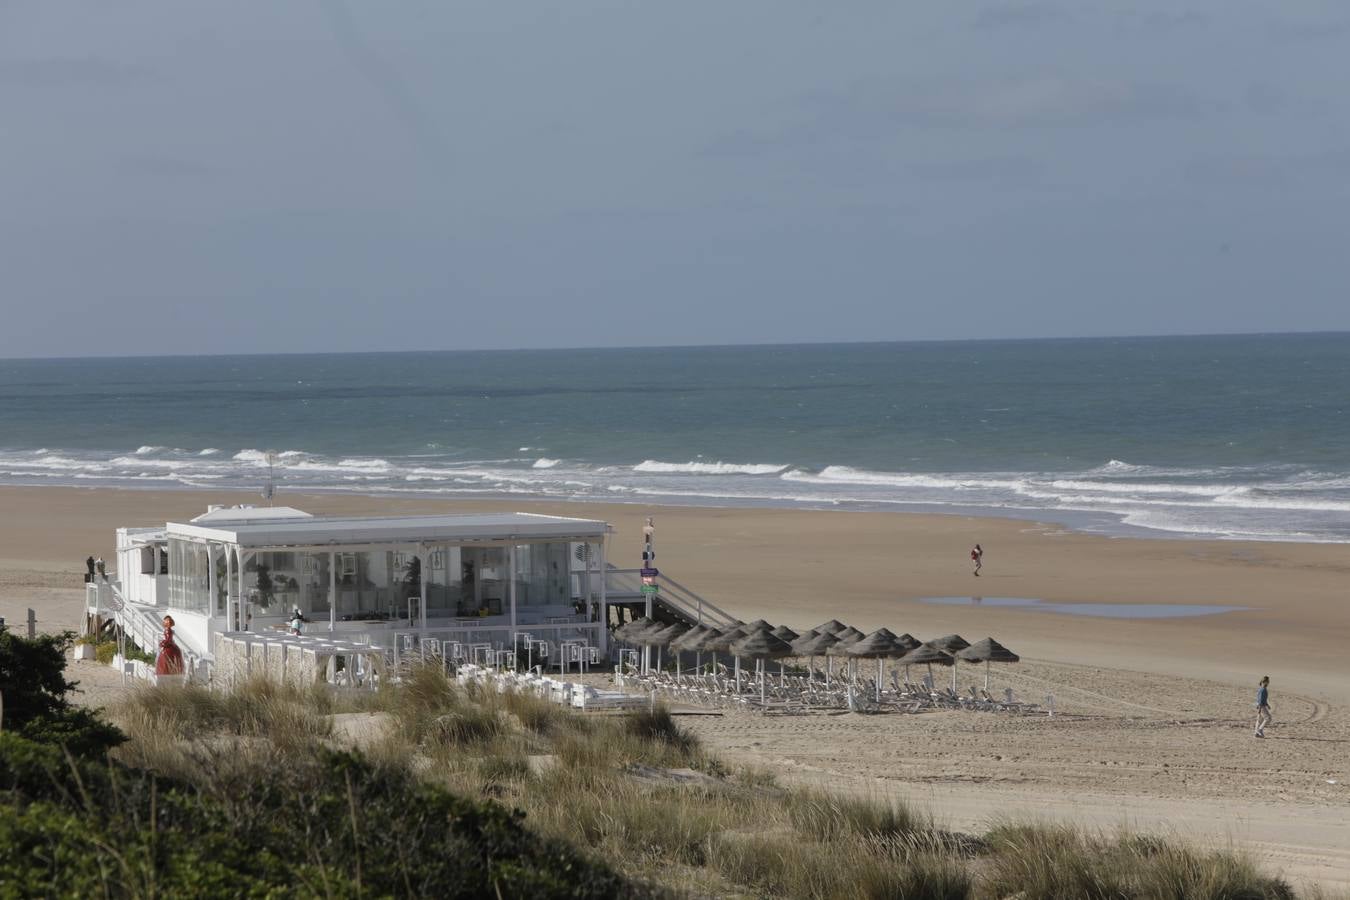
(649, 589)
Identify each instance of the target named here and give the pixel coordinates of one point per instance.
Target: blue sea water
(1235, 436)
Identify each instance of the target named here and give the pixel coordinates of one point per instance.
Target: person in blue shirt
(1263, 717)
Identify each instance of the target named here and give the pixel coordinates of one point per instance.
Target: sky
(334, 175)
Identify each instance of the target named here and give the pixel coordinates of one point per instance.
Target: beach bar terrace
(386, 582)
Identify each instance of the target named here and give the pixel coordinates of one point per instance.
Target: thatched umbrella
(927, 654)
(700, 644)
(787, 636)
(908, 641)
(848, 636)
(834, 626)
(632, 633)
(723, 644)
(679, 645)
(988, 651)
(648, 638)
(878, 645)
(953, 644)
(663, 636)
(628, 632)
(761, 645)
(814, 645)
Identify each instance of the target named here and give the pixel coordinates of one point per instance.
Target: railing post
(32, 624)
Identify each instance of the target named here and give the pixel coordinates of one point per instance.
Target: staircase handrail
(682, 598)
(143, 625)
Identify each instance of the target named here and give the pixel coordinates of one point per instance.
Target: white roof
(323, 531)
(222, 514)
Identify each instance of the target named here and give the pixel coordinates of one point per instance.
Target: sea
(1238, 437)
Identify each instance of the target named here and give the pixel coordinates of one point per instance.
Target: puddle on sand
(1098, 610)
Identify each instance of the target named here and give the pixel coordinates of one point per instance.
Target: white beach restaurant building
(376, 582)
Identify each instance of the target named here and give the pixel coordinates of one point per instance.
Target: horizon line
(710, 346)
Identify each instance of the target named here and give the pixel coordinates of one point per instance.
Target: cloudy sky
(341, 175)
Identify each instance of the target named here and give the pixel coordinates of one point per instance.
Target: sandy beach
(1156, 729)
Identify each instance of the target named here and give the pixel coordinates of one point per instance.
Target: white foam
(1146, 487)
(209, 451)
(544, 462)
(850, 475)
(146, 450)
(653, 466)
(372, 465)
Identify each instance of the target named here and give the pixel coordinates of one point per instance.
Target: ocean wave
(850, 475)
(653, 466)
(65, 463)
(374, 465)
(1144, 487)
(1275, 501)
(259, 457)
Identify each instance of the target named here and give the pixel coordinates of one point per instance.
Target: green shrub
(34, 686)
(328, 823)
(33, 676)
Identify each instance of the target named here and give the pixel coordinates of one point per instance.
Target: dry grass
(621, 787)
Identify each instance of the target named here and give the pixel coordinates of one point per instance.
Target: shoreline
(1099, 523)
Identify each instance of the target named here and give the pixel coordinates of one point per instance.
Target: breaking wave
(1273, 502)
(706, 468)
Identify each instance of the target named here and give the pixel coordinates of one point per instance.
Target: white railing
(144, 627)
(626, 584)
(552, 643)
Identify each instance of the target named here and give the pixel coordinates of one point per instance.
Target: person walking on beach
(977, 557)
(1263, 717)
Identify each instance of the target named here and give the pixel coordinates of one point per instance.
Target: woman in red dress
(170, 660)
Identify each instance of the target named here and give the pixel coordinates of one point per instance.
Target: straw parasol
(628, 632)
(758, 625)
(879, 645)
(663, 636)
(812, 644)
(699, 643)
(787, 635)
(685, 643)
(722, 643)
(761, 645)
(953, 644)
(849, 635)
(927, 654)
(908, 641)
(688, 637)
(988, 651)
(834, 626)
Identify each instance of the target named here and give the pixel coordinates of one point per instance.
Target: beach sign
(648, 572)
(650, 589)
